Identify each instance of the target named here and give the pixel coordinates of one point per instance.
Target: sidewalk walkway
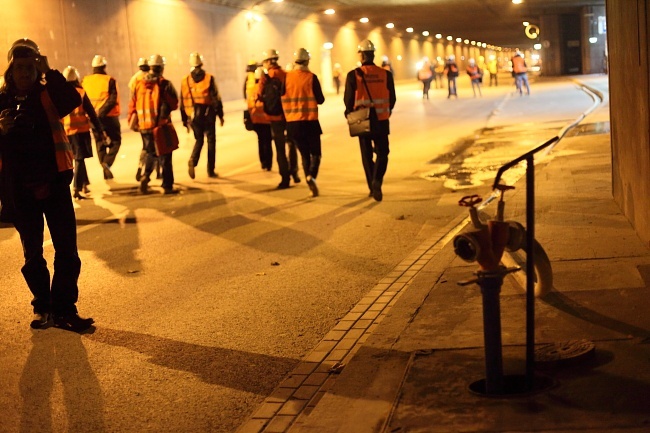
(412, 374)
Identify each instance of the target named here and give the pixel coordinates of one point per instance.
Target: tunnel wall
(71, 32)
(629, 83)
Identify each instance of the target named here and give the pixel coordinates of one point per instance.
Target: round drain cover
(565, 351)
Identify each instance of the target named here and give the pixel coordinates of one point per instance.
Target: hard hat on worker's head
(156, 60)
(196, 59)
(23, 48)
(519, 53)
(271, 54)
(71, 74)
(252, 66)
(301, 56)
(451, 58)
(366, 45)
(472, 61)
(142, 61)
(98, 61)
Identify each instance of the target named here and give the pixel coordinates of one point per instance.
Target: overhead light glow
(466, 41)
(593, 39)
(450, 38)
(425, 33)
(277, 1)
(438, 36)
(364, 20)
(473, 42)
(459, 40)
(390, 25)
(399, 57)
(537, 46)
(526, 23)
(329, 12)
(328, 45)
(517, 2)
(409, 30)
(484, 45)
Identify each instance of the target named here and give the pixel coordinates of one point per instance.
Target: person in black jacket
(36, 171)
(451, 69)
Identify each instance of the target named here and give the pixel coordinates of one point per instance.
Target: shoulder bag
(363, 120)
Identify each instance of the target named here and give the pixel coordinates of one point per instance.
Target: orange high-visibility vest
(77, 121)
(195, 93)
(146, 99)
(518, 65)
(473, 72)
(62, 147)
(255, 107)
(96, 86)
(377, 81)
(298, 101)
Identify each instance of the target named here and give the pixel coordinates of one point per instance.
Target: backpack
(273, 89)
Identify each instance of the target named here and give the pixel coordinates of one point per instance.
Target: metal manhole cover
(564, 351)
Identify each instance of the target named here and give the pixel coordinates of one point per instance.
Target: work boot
(40, 320)
(212, 174)
(376, 191)
(72, 322)
(284, 184)
(311, 183)
(296, 178)
(144, 186)
(190, 169)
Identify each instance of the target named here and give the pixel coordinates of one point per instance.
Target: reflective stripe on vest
(298, 101)
(255, 107)
(518, 65)
(377, 80)
(146, 104)
(77, 121)
(96, 86)
(195, 93)
(62, 147)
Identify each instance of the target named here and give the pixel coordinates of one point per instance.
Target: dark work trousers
(202, 127)
(113, 130)
(82, 148)
(374, 169)
(426, 86)
(493, 77)
(264, 144)
(61, 296)
(165, 162)
(286, 166)
(308, 141)
(80, 174)
(451, 84)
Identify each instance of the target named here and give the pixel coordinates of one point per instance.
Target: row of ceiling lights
(425, 33)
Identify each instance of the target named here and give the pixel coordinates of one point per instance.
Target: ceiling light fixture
(364, 20)
(390, 25)
(329, 12)
(438, 36)
(517, 2)
(425, 33)
(409, 30)
(450, 38)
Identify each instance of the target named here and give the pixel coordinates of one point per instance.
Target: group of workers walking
(429, 72)
(47, 117)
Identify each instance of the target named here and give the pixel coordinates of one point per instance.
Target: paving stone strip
(299, 393)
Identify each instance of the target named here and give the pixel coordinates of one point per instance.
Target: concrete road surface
(206, 300)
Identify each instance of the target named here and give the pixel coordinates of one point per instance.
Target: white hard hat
(196, 59)
(302, 55)
(366, 45)
(472, 61)
(71, 74)
(271, 54)
(98, 61)
(22, 43)
(142, 61)
(156, 60)
(451, 57)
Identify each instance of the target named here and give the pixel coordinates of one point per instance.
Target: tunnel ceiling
(496, 22)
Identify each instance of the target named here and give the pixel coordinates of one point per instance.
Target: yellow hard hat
(71, 74)
(156, 60)
(25, 44)
(98, 61)
(366, 45)
(196, 59)
(271, 54)
(142, 61)
(302, 55)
